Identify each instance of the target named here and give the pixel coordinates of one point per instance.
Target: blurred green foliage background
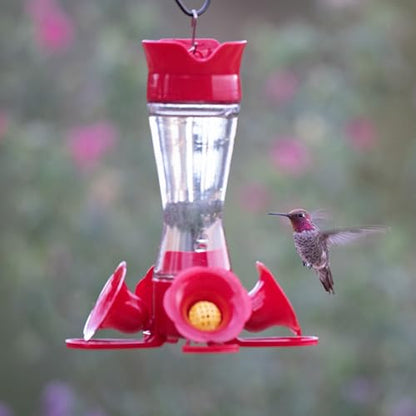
(328, 120)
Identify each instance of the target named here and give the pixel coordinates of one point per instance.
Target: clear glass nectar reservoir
(193, 145)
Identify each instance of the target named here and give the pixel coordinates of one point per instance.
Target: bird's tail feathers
(325, 276)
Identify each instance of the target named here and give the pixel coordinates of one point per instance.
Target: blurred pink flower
(5, 410)
(361, 133)
(281, 86)
(405, 407)
(58, 399)
(88, 144)
(54, 29)
(254, 197)
(4, 123)
(290, 156)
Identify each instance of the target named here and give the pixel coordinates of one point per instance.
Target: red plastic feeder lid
(178, 74)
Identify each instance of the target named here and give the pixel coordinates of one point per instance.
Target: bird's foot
(306, 264)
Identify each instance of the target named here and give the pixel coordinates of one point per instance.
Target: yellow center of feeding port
(204, 315)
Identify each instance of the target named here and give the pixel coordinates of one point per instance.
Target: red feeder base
(159, 308)
(229, 347)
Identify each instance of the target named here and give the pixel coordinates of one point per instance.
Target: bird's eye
(301, 215)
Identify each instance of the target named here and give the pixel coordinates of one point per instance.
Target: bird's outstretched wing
(341, 236)
(320, 217)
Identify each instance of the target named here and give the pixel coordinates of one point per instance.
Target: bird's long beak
(282, 214)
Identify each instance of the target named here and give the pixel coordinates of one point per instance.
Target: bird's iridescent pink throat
(300, 224)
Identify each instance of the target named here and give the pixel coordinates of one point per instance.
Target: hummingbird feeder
(191, 293)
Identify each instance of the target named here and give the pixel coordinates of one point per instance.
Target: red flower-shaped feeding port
(207, 304)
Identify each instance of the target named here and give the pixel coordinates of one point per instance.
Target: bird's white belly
(310, 248)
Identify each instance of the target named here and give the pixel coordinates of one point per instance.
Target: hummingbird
(312, 244)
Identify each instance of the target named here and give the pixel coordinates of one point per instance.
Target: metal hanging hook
(190, 13)
(193, 25)
(194, 14)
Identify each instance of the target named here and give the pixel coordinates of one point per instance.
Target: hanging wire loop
(190, 13)
(194, 21)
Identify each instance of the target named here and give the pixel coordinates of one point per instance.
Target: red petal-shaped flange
(270, 305)
(116, 307)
